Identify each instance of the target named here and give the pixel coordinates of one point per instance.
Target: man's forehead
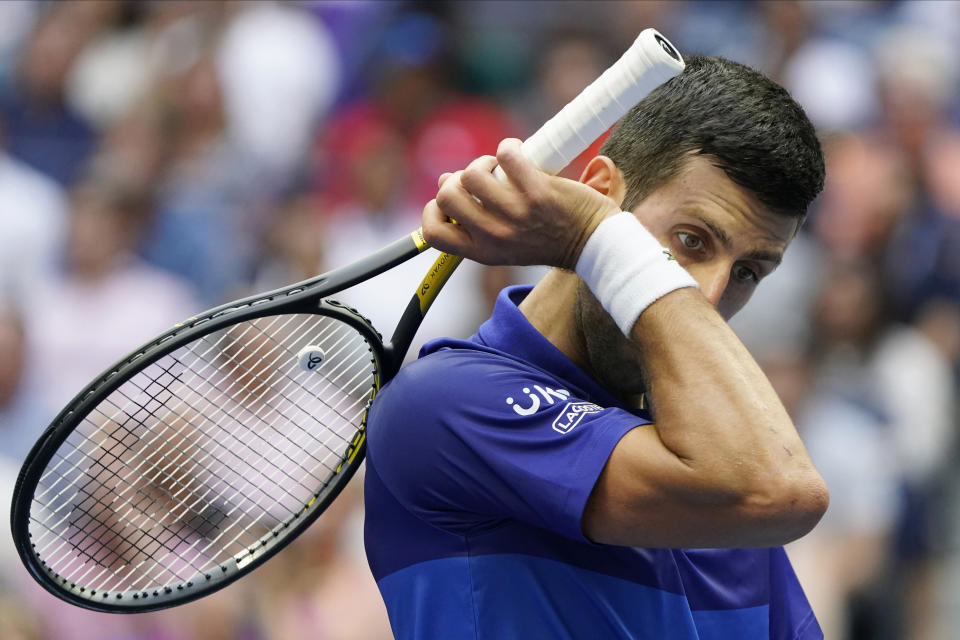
(751, 246)
(732, 213)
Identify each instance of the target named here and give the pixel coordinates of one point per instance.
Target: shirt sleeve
(467, 439)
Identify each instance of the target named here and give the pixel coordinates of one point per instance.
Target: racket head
(199, 456)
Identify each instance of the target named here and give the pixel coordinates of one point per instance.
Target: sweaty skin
(723, 465)
(720, 233)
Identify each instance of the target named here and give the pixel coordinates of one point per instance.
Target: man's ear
(604, 176)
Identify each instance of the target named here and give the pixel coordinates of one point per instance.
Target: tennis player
(604, 459)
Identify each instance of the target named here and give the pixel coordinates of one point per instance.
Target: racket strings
(182, 416)
(194, 459)
(138, 542)
(131, 417)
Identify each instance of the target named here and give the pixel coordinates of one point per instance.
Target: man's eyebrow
(721, 234)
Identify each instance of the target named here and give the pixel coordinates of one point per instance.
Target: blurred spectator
(293, 245)
(115, 69)
(918, 89)
(569, 61)
(380, 160)
(40, 127)
(412, 96)
(843, 420)
(32, 217)
(848, 440)
(207, 199)
(207, 109)
(275, 57)
(879, 429)
(16, 23)
(84, 319)
(788, 28)
(913, 370)
(22, 417)
(320, 587)
(867, 192)
(136, 147)
(835, 83)
(923, 257)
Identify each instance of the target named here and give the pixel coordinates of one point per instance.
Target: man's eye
(690, 241)
(745, 274)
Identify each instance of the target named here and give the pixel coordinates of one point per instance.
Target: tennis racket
(201, 454)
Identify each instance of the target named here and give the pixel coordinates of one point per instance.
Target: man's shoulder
(462, 368)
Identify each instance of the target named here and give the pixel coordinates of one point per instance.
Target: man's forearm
(714, 407)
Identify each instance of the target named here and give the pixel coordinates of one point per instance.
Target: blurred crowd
(158, 157)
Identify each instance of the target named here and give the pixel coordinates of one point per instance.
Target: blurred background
(158, 157)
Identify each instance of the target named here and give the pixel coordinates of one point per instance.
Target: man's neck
(551, 308)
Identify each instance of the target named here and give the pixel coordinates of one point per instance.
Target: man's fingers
(453, 202)
(513, 222)
(520, 171)
(481, 165)
(441, 232)
(478, 179)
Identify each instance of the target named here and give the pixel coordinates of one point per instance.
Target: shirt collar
(509, 331)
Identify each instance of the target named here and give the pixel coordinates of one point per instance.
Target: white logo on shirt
(546, 393)
(572, 414)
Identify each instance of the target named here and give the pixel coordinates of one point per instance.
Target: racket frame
(551, 145)
(307, 297)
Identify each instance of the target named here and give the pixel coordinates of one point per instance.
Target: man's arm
(724, 465)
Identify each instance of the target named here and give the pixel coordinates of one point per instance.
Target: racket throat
(430, 287)
(403, 335)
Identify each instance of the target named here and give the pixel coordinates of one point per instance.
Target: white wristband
(627, 269)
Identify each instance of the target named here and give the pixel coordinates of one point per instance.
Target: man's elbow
(791, 506)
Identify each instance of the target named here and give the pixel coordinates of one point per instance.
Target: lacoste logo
(572, 415)
(548, 395)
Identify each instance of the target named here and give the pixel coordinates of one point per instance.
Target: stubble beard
(612, 359)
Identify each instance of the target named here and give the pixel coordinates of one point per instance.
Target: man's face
(726, 238)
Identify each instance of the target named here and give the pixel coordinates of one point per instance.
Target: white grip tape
(648, 63)
(627, 269)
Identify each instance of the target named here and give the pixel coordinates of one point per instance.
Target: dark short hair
(746, 123)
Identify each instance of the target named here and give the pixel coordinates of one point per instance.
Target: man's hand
(534, 218)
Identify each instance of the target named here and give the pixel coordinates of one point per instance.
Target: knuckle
(430, 210)
(516, 209)
(431, 232)
(469, 176)
(472, 178)
(509, 146)
(501, 234)
(446, 197)
(536, 195)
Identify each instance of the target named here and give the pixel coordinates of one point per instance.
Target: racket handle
(649, 62)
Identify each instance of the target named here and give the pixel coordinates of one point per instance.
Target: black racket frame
(307, 297)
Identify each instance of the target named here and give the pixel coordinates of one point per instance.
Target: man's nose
(713, 279)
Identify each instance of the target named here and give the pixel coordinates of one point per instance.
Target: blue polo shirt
(481, 457)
